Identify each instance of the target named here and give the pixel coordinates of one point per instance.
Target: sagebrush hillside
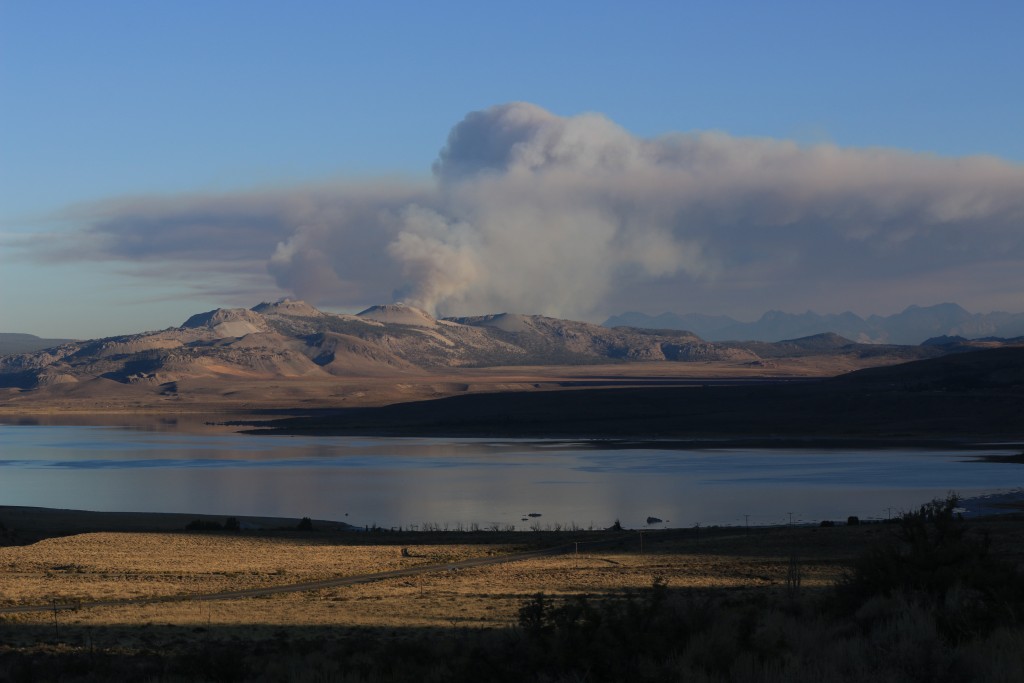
(291, 339)
(291, 355)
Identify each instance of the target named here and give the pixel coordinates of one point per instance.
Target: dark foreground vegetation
(931, 601)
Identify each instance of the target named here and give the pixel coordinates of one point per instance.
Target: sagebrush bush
(934, 558)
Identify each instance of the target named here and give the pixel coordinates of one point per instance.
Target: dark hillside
(1001, 368)
(966, 396)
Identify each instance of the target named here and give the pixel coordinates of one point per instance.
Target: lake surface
(412, 482)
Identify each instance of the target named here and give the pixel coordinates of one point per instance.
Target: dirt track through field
(316, 585)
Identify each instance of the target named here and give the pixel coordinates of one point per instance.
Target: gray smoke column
(534, 216)
(548, 214)
(574, 216)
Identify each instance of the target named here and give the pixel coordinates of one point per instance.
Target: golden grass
(725, 562)
(105, 566)
(99, 566)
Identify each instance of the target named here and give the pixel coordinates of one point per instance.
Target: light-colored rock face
(228, 322)
(399, 314)
(509, 322)
(51, 378)
(292, 340)
(292, 307)
(235, 328)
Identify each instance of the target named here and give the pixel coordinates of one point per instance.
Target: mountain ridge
(21, 342)
(913, 325)
(291, 339)
(290, 355)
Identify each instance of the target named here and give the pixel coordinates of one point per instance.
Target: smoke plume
(574, 216)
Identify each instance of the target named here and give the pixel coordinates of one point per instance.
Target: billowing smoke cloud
(574, 216)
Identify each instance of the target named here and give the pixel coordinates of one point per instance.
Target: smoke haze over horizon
(527, 211)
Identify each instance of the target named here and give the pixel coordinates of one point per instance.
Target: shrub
(932, 558)
(534, 615)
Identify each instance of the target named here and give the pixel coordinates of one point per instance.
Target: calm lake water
(392, 482)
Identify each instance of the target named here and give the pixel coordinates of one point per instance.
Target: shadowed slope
(969, 395)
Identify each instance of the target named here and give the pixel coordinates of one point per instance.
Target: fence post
(56, 630)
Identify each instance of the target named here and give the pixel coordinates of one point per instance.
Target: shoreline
(32, 523)
(23, 525)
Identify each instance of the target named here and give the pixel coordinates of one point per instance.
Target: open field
(112, 566)
(105, 566)
(719, 604)
(182, 565)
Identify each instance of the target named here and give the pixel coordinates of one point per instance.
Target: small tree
(232, 524)
(932, 558)
(203, 525)
(534, 615)
(305, 524)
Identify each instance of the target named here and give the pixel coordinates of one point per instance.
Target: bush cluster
(230, 524)
(934, 560)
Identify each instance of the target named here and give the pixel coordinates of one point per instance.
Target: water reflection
(403, 482)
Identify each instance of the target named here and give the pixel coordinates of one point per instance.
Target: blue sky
(108, 100)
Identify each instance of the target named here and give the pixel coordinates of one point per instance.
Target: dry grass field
(113, 566)
(110, 566)
(738, 605)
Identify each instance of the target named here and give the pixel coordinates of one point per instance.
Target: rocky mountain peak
(228, 322)
(399, 314)
(509, 322)
(286, 306)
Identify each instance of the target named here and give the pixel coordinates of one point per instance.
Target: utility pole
(746, 523)
(790, 518)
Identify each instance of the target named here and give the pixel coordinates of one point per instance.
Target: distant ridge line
(913, 325)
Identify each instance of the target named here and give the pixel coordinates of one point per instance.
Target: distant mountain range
(289, 353)
(15, 342)
(291, 339)
(914, 325)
